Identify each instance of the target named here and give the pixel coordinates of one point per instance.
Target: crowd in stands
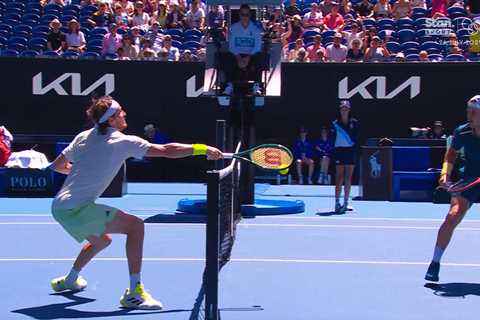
(309, 30)
(171, 30)
(383, 31)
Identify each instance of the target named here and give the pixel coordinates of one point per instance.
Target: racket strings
(271, 158)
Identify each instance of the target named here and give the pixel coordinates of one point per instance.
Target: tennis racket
(265, 156)
(463, 185)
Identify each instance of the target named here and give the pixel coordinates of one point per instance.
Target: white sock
(437, 254)
(135, 279)
(72, 276)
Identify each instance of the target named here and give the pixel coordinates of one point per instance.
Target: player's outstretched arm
(179, 150)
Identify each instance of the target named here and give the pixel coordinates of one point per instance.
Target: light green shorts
(85, 221)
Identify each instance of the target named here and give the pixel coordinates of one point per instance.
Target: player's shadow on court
(454, 290)
(64, 311)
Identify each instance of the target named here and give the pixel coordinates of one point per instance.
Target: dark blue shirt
(325, 146)
(303, 147)
(463, 138)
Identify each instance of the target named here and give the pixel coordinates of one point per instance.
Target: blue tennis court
(367, 264)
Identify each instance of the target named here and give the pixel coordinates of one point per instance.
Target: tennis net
(223, 216)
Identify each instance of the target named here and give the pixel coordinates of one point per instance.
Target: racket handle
(227, 155)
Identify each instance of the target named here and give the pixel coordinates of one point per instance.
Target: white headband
(474, 102)
(112, 109)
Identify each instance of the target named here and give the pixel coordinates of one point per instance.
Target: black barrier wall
(45, 96)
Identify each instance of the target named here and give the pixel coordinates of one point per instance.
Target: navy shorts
(472, 194)
(344, 156)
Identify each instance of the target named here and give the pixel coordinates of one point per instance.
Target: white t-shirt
(195, 17)
(75, 39)
(96, 160)
(140, 20)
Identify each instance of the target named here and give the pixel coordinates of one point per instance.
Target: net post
(221, 141)
(212, 246)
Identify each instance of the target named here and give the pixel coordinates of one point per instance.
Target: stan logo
(375, 166)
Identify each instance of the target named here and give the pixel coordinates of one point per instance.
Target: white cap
(474, 102)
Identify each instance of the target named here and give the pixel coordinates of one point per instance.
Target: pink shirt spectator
(439, 6)
(111, 43)
(333, 21)
(312, 52)
(336, 54)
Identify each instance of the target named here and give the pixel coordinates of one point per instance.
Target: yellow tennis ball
(284, 171)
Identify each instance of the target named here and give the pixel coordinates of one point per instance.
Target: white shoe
(300, 180)
(59, 284)
(309, 181)
(228, 89)
(139, 299)
(256, 90)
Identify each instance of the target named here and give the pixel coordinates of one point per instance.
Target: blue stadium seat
(195, 33)
(3, 40)
(328, 34)
(72, 7)
(192, 45)
(406, 35)
(175, 32)
(462, 23)
(192, 37)
(29, 53)
(421, 23)
(456, 12)
(454, 57)
(22, 27)
(31, 16)
(95, 37)
(435, 57)
(36, 43)
(110, 56)
(177, 44)
(418, 13)
(65, 19)
(33, 11)
(12, 16)
(97, 49)
(47, 18)
(88, 10)
(41, 28)
(20, 40)
(474, 57)
(9, 53)
(6, 27)
(94, 43)
(464, 32)
(70, 55)
(410, 45)
(393, 47)
(306, 34)
(101, 31)
(4, 34)
(90, 55)
(412, 57)
(64, 29)
(15, 5)
(16, 46)
(52, 8)
(368, 23)
(51, 54)
(386, 24)
(405, 23)
(86, 31)
(14, 11)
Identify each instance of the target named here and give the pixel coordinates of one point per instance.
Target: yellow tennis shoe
(59, 284)
(139, 299)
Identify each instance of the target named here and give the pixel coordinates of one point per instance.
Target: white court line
(253, 260)
(247, 225)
